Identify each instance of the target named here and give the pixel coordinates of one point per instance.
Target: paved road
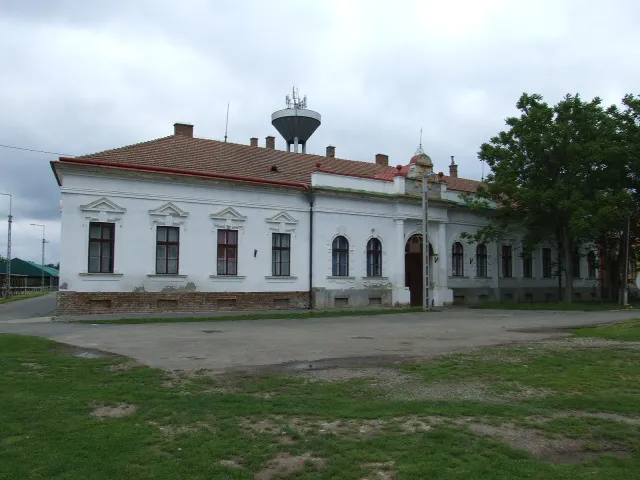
(231, 345)
(43, 306)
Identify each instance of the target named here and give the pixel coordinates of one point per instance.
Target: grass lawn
(16, 298)
(579, 306)
(556, 410)
(617, 331)
(261, 316)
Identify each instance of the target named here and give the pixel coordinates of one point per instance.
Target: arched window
(374, 258)
(340, 257)
(591, 265)
(481, 261)
(457, 260)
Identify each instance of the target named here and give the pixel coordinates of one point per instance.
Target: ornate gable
(228, 218)
(168, 214)
(282, 222)
(103, 210)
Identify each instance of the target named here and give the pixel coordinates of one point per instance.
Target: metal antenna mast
(226, 125)
(8, 270)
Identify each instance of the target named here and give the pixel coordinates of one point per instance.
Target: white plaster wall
(135, 235)
(320, 179)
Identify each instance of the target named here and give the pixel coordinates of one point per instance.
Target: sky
(79, 77)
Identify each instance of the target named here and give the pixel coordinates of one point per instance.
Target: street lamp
(426, 305)
(8, 271)
(43, 242)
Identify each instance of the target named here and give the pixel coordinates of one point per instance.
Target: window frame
(592, 268)
(507, 261)
(167, 244)
(457, 260)
(276, 251)
(374, 257)
(100, 242)
(527, 266)
(547, 263)
(482, 263)
(337, 251)
(227, 247)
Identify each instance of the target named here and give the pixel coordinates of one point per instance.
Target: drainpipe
(311, 247)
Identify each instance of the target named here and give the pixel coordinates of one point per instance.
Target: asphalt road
(251, 345)
(37, 307)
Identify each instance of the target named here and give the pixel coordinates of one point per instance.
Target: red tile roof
(183, 153)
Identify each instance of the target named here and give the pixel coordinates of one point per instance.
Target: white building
(188, 224)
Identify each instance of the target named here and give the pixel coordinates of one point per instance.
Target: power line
(37, 151)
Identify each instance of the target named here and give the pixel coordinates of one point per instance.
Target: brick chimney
(453, 169)
(185, 129)
(270, 142)
(331, 151)
(382, 159)
(253, 141)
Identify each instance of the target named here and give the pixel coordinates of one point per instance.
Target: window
(591, 265)
(576, 264)
(101, 247)
(507, 267)
(340, 257)
(546, 262)
(167, 250)
(374, 258)
(457, 260)
(481, 261)
(527, 265)
(281, 254)
(227, 252)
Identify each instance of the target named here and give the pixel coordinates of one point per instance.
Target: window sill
(284, 278)
(484, 278)
(340, 277)
(461, 277)
(96, 274)
(374, 279)
(227, 278)
(165, 275)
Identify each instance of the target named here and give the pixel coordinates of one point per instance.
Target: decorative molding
(165, 275)
(228, 219)
(280, 279)
(103, 210)
(95, 274)
(227, 278)
(168, 215)
(282, 222)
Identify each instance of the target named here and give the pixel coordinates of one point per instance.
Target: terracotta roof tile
(215, 157)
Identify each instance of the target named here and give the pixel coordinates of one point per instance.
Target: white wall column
(400, 294)
(442, 294)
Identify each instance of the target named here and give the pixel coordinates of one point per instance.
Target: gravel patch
(115, 411)
(380, 470)
(285, 464)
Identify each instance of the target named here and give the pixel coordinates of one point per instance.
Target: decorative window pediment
(103, 210)
(228, 218)
(168, 215)
(282, 222)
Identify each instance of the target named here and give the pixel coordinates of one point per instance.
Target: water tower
(295, 123)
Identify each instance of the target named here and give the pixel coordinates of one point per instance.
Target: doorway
(413, 268)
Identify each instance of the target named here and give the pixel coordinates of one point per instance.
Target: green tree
(557, 173)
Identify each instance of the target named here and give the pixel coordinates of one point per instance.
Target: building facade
(188, 224)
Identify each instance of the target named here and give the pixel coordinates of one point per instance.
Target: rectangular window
(101, 243)
(167, 250)
(507, 267)
(527, 266)
(576, 264)
(546, 262)
(281, 254)
(227, 252)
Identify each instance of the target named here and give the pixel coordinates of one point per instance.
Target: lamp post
(43, 242)
(8, 271)
(426, 305)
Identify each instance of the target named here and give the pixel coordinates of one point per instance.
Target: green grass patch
(629, 330)
(185, 425)
(17, 298)
(574, 306)
(259, 316)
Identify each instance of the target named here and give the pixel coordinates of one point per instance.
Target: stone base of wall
(352, 298)
(84, 303)
(522, 294)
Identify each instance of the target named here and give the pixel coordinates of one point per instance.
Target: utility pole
(43, 242)
(625, 285)
(426, 304)
(8, 270)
